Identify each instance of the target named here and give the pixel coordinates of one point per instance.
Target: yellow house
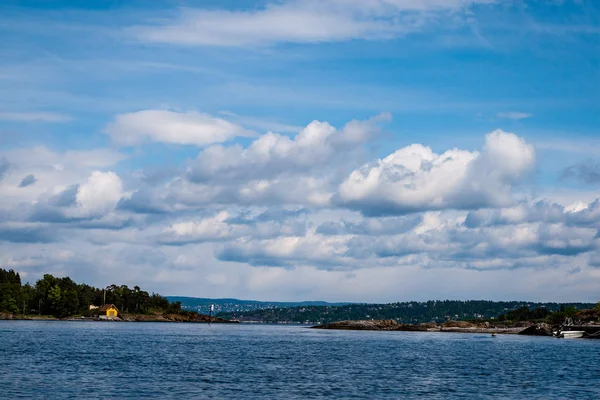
(111, 310)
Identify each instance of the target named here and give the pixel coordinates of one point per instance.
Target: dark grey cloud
(143, 201)
(587, 172)
(66, 198)
(27, 181)
(258, 257)
(28, 233)
(254, 258)
(52, 209)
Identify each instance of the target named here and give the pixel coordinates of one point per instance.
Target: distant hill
(407, 312)
(202, 305)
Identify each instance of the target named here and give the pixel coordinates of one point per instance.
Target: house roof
(107, 306)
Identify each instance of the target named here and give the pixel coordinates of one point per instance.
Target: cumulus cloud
(187, 128)
(53, 171)
(273, 154)
(223, 227)
(443, 239)
(300, 21)
(370, 226)
(213, 229)
(287, 251)
(415, 178)
(300, 202)
(100, 193)
(273, 170)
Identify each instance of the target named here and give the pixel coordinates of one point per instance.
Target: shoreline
(448, 327)
(199, 319)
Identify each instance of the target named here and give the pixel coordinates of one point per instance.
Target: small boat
(493, 334)
(572, 334)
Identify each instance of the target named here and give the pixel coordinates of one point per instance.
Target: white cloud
(273, 154)
(272, 170)
(223, 227)
(53, 171)
(300, 21)
(293, 202)
(188, 128)
(100, 194)
(34, 117)
(208, 229)
(516, 115)
(415, 178)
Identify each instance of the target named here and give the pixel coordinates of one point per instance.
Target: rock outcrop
(378, 325)
(391, 325)
(173, 318)
(537, 330)
(371, 325)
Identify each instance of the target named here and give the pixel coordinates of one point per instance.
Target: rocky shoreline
(197, 318)
(450, 326)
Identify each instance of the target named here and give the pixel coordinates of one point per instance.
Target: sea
(120, 360)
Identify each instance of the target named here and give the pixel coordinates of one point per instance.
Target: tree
(9, 304)
(63, 297)
(55, 299)
(70, 302)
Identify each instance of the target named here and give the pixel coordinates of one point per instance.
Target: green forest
(61, 297)
(411, 312)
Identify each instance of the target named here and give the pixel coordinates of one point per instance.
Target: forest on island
(415, 312)
(62, 297)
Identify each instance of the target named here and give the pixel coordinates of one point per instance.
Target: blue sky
(172, 144)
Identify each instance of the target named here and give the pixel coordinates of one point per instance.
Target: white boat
(572, 334)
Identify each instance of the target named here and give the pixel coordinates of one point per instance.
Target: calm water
(56, 360)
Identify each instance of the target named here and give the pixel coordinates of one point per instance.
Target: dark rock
(371, 325)
(537, 330)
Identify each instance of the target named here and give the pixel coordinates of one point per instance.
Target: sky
(340, 150)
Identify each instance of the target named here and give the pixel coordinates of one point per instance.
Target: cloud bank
(315, 202)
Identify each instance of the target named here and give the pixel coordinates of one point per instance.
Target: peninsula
(62, 298)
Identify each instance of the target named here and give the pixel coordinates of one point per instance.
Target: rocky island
(450, 326)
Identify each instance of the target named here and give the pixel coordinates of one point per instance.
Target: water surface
(111, 360)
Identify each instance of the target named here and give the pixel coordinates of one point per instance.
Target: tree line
(407, 312)
(62, 297)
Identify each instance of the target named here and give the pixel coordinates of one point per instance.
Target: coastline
(199, 318)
